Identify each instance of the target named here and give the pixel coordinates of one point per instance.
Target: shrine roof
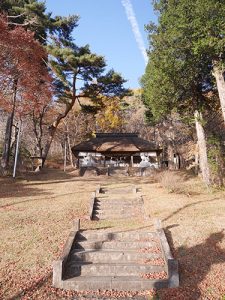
(115, 143)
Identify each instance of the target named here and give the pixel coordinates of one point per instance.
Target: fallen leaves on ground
(154, 261)
(156, 250)
(154, 275)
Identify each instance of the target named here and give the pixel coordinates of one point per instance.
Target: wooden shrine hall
(117, 150)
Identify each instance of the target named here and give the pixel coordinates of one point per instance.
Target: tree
(110, 117)
(22, 75)
(202, 23)
(208, 39)
(41, 113)
(71, 64)
(176, 79)
(31, 15)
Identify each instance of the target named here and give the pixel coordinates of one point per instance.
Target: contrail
(135, 28)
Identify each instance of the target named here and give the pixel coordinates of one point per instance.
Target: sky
(114, 29)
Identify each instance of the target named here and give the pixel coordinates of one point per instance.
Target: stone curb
(134, 190)
(171, 263)
(144, 212)
(99, 189)
(92, 201)
(59, 265)
(91, 205)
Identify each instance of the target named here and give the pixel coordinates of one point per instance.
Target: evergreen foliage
(183, 47)
(32, 15)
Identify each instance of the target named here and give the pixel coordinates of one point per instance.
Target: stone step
(120, 192)
(117, 207)
(126, 190)
(117, 283)
(106, 217)
(115, 204)
(113, 245)
(114, 214)
(118, 269)
(117, 197)
(109, 256)
(117, 212)
(119, 236)
(119, 201)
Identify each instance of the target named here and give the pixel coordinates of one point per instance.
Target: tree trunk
(7, 143)
(47, 146)
(196, 159)
(219, 76)
(70, 151)
(203, 159)
(65, 154)
(170, 156)
(8, 132)
(59, 118)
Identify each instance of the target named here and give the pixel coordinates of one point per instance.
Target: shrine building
(117, 150)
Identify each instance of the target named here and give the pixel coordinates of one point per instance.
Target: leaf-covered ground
(36, 216)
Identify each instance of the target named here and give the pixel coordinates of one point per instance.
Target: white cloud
(135, 28)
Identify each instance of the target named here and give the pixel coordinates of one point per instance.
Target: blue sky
(104, 26)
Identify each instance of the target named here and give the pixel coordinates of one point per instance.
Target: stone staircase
(115, 260)
(117, 207)
(132, 260)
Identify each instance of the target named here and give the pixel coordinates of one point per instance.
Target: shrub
(171, 181)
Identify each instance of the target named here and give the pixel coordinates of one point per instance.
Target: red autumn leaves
(22, 70)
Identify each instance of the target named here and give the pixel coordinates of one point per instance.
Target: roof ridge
(116, 134)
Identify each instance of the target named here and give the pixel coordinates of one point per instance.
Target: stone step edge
(116, 216)
(100, 244)
(116, 283)
(102, 241)
(118, 201)
(119, 210)
(115, 205)
(116, 278)
(149, 234)
(120, 264)
(115, 269)
(111, 251)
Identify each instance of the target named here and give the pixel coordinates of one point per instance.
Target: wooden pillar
(158, 159)
(132, 160)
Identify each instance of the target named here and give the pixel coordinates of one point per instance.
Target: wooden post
(158, 159)
(17, 149)
(70, 151)
(132, 160)
(65, 155)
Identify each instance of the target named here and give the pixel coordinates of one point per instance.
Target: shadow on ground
(194, 265)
